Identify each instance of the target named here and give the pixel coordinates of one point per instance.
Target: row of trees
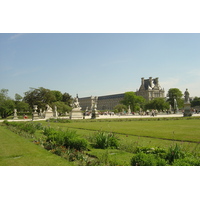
(136, 102)
(40, 97)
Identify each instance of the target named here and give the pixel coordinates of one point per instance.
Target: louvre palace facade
(149, 89)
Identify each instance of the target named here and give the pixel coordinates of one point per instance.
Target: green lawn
(18, 151)
(180, 130)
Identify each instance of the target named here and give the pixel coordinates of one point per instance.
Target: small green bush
(187, 161)
(174, 152)
(58, 120)
(65, 138)
(105, 140)
(142, 159)
(26, 127)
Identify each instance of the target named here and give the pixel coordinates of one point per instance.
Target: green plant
(187, 161)
(174, 152)
(105, 140)
(143, 159)
(67, 138)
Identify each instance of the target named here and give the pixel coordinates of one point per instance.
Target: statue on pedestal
(94, 100)
(76, 112)
(35, 113)
(187, 104)
(187, 98)
(49, 112)
(15, 114)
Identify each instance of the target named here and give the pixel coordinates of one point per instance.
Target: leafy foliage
(195, 102)
(135, 102)
(158, 104)
(177, 94)
(7, 105)
(105, 140)
(65, 138)
(142, 159)
(119, 108)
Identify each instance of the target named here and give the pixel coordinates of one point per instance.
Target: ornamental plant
(105, 140)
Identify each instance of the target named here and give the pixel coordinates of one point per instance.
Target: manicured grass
(18, 151)
(131, 134)
(180, 130)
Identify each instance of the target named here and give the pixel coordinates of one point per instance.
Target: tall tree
(66, 98)
(40, 97)
(135, 102)
(7, 105)
(175, 93)
(158, 104)
(195, 102)
(57, 94)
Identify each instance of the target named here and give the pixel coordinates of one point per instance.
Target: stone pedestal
(76, 113)
(35, 116)
(95, 114)
(187, 105)
(187, 110)
(48, 114)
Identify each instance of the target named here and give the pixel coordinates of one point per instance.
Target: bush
(26, 127)
(142, 159)
(187, 161)
(65, 138)
(58, 120)
(105, 140)
(174, 152)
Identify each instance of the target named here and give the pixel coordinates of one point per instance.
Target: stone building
(107, 102)
(149, 89)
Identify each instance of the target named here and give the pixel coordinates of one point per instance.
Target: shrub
(26, 127)
(58, 120)
(174, 152)
(65, 138)
(187, 161)
(142, 159)
(105, 140)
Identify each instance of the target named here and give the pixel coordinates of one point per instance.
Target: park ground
(132, 131)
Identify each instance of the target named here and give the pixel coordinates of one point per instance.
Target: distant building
(149, 89)
(107, 102)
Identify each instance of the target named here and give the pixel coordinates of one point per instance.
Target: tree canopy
(158, 104)
(135, 102)
(42, 96)
(175, 93)
(195, 102)
(7, 105)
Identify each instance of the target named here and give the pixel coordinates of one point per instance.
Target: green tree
(57, 94)
(119, 108)
(20, 105)
(62, 107)
(135, 102)
(7, 105)
(158, 104)
(195, 102)
(40, 97)
(18, 97)
(175, 93)
(67, 99)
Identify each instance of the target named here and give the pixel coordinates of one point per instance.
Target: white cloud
(16, 36)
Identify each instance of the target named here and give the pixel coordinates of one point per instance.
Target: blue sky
(98, 64)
